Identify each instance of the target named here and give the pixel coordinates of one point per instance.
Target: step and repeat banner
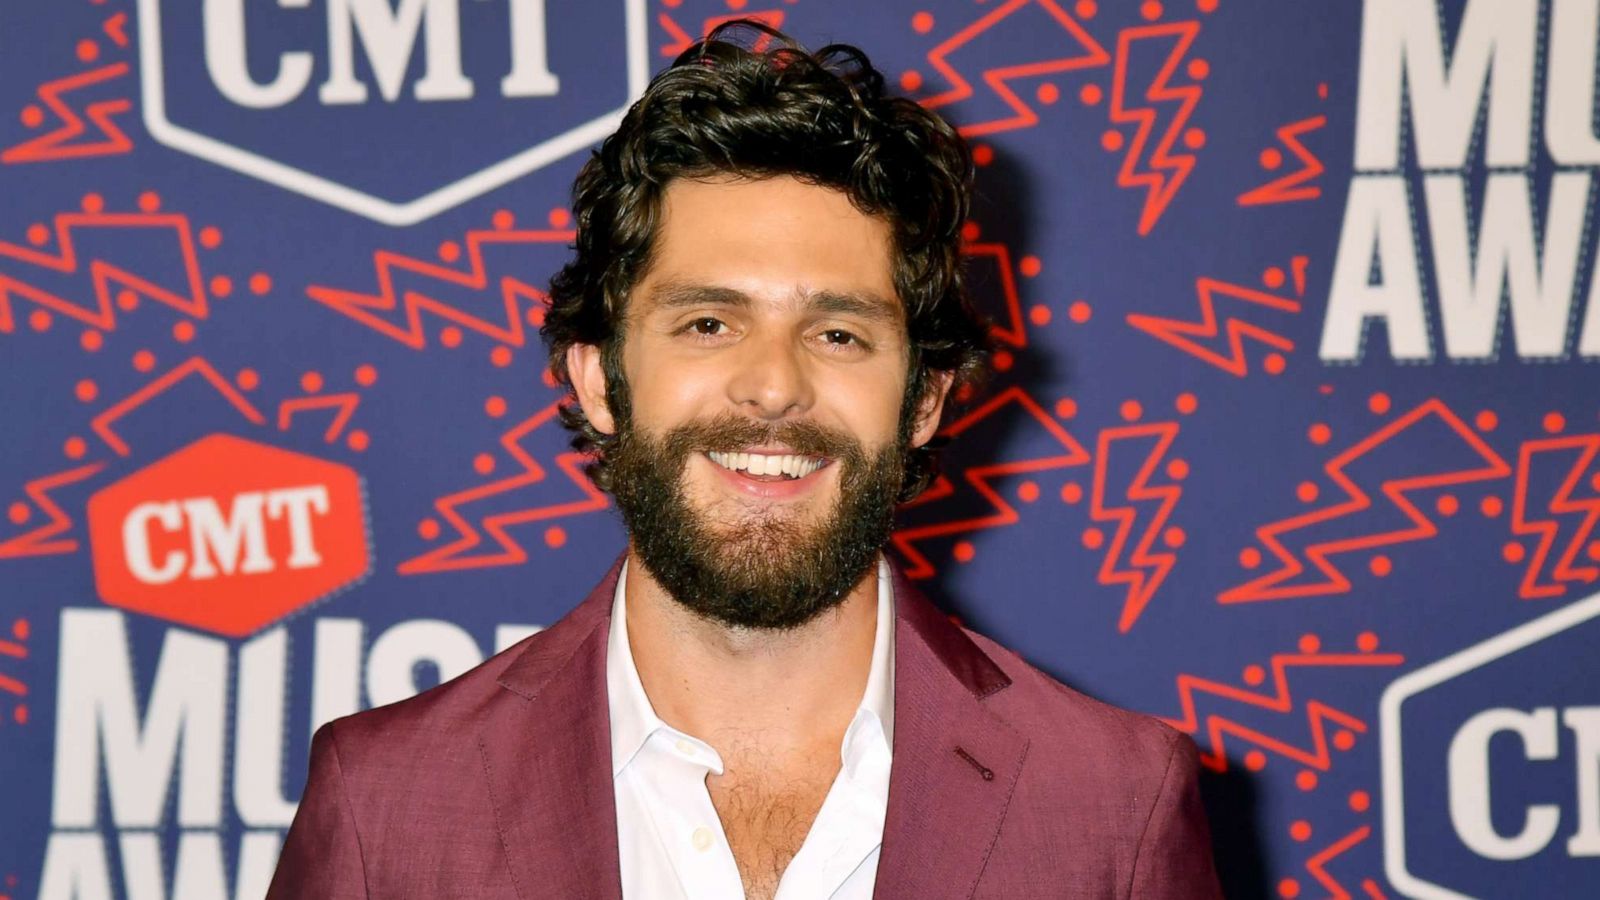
(1292, 439)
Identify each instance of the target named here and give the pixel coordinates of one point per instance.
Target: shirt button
(701, 839)
(684, 747)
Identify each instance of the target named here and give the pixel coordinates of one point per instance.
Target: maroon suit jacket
(497, 784)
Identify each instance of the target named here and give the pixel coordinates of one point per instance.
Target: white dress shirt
(670, 842)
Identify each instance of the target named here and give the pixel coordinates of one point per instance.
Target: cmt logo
(228, 535)
(391, 109)
(1491, 764)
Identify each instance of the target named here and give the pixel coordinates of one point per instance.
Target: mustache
(728, 432)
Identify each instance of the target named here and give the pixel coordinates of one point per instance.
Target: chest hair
(766, 816)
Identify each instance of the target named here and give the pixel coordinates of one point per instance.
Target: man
(760, 328)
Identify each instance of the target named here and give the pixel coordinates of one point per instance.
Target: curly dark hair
(727, 108)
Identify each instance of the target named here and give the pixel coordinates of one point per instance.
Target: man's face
(765, 356)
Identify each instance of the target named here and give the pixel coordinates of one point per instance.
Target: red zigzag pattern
(464, 552)
(1279, 699)
(368, 308)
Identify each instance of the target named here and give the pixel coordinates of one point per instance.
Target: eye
(838, 339)
(705, 326)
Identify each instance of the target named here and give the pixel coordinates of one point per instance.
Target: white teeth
(764, 464)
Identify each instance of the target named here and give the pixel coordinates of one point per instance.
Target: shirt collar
(634, 720)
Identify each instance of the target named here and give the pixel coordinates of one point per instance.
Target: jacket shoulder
(451, 712)
(444, 714)
(1067, 725)
(1119, 787)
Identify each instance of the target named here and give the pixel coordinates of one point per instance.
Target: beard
(767, 569)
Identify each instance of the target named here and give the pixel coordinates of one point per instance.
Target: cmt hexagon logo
(391, 109)
(228, 535)
(1491, 765)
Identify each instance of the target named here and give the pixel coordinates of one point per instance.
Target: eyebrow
(868, 305)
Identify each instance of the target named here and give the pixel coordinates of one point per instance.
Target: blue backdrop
(1292, 439)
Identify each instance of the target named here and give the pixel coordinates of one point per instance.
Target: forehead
(773, 238)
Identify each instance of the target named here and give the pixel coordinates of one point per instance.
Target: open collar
(546, 751)
(633, 718)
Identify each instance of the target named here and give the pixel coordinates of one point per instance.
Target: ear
(589, 383)
(930, 407)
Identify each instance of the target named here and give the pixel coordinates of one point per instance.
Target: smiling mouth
(768, 467)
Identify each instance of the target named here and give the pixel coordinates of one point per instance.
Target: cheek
(866, 403)
(663, 391)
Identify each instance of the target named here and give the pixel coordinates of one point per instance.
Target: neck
(793, 688)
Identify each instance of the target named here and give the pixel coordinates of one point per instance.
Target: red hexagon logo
(228, 535)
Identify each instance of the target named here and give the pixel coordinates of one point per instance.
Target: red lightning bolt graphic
(1279, 699)
(1294, 185)
(514, 293)
(1166, 171)
(1562, 503)
(1198, 338)
(106, 276)
(1090, 55)
(459, 554)
(62, 142)
(979, 477)
(1279, 585)
(1146, 568)
(38, 541)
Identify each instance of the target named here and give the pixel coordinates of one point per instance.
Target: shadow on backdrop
(1004, 208)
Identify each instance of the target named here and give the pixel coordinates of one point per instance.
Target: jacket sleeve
(322, 855)
(1173, 859)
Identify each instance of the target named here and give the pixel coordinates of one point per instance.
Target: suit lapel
(955, 762)
(553, 798)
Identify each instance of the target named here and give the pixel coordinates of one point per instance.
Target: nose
(771, 379)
